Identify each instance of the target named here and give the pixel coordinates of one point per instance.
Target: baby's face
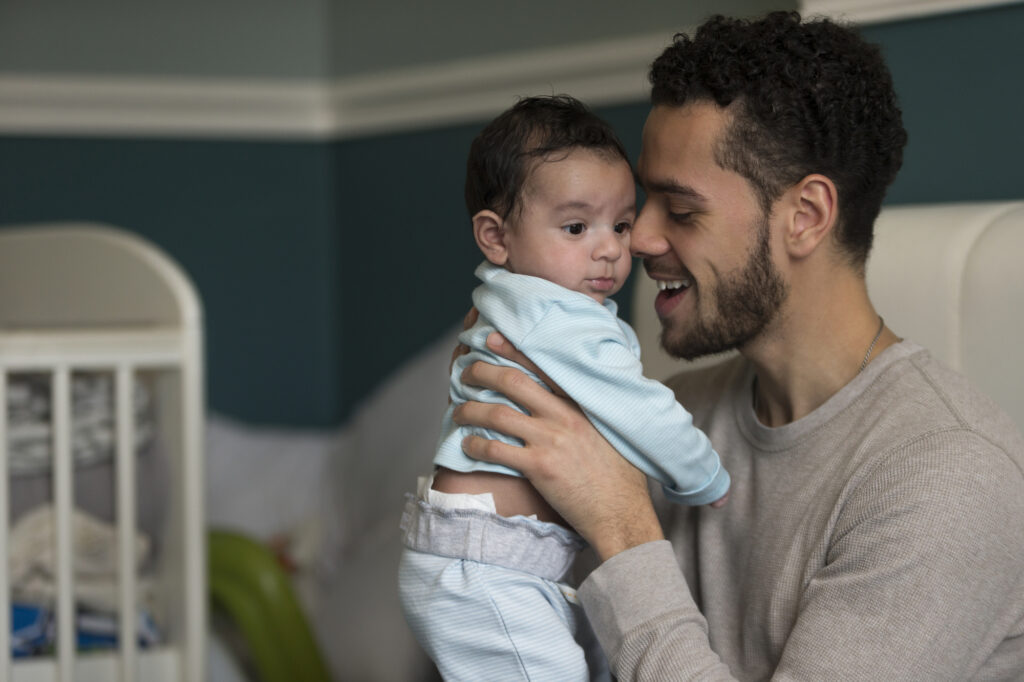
(573, 229)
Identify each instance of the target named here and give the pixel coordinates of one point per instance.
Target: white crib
(86, 298)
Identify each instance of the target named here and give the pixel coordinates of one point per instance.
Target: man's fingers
(514, 385)
(500, 418)
(494, 451)
(501, 346)
(468, 321)
(461, 349)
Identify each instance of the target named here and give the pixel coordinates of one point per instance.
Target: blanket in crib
(93, 429)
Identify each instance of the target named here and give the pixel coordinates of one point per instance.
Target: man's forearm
(641, 610)
(624, 525)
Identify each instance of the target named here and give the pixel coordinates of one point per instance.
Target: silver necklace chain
(863, 364)
(867, 356)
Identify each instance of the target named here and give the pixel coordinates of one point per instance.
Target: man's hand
(599, 493)
(461, 349)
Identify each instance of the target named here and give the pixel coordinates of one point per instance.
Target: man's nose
(647, 238)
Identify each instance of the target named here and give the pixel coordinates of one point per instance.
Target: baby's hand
(720, 502)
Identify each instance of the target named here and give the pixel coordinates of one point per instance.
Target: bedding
(86, 311)
(93, 438)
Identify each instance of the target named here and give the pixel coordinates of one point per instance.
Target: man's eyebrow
(672, 188)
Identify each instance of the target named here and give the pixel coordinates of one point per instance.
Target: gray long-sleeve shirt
(879, 538)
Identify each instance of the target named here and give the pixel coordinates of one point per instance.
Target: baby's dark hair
(806, 97)
(501, 157)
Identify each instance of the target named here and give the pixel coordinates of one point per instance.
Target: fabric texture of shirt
(880, 537)
(594, 357)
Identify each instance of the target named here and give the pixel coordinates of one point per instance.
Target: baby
(483, 577)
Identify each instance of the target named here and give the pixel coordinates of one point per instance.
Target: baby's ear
(489, 232)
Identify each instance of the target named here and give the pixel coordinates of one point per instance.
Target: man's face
(574, 226)
(703, 236)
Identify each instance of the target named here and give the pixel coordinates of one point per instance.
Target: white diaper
(479, 501)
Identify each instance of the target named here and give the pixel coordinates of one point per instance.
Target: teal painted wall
(960, 85)
(253, 224)
(225, 38)
(425, 32)
(324, 265)
(315, 38)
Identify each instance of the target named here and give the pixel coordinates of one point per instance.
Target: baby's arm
(600, 370)
(594, 357)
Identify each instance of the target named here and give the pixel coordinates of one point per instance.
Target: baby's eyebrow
(572, 205)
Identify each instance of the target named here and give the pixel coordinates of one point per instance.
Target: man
(876, 523)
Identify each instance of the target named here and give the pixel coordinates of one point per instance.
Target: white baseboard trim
(878, 11)
(603, 73)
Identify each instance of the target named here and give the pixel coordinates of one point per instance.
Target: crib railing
(126, 662)
(67, 331)
(5, 601)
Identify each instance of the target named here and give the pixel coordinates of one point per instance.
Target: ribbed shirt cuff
(632, 588)
(715, 489)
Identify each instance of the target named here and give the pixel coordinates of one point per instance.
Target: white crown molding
(877, 11)
(604, 73)
(599, 73)
(166, 107)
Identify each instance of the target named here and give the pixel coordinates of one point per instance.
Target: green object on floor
(248, 584)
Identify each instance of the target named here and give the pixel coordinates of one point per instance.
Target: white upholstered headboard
(944, 275)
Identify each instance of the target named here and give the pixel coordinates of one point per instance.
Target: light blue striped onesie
(484, 594)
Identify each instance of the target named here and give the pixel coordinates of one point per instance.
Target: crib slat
(196, 590)
(5, 583)
(126, 521)
(63, 506)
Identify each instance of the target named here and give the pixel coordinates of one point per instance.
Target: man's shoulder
(926, 430)
(925, 435)
(923, 391)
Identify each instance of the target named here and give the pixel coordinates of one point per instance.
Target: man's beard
(745, 303)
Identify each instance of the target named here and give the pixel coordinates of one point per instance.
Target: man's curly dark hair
(806, 97)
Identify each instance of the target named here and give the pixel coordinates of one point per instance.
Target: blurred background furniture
(83, 300)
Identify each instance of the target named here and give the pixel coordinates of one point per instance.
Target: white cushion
(946, 276)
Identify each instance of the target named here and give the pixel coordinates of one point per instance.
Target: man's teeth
(664, 284)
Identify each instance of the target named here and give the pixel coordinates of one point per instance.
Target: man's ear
(489, 232)
(813, 210)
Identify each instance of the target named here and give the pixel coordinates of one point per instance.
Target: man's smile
(669, 284)
(670, 294)
(672, 283)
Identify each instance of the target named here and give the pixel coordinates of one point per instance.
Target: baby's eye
(622, 228)
(575, 228)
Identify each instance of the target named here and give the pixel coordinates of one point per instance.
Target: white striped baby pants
(483, 595)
